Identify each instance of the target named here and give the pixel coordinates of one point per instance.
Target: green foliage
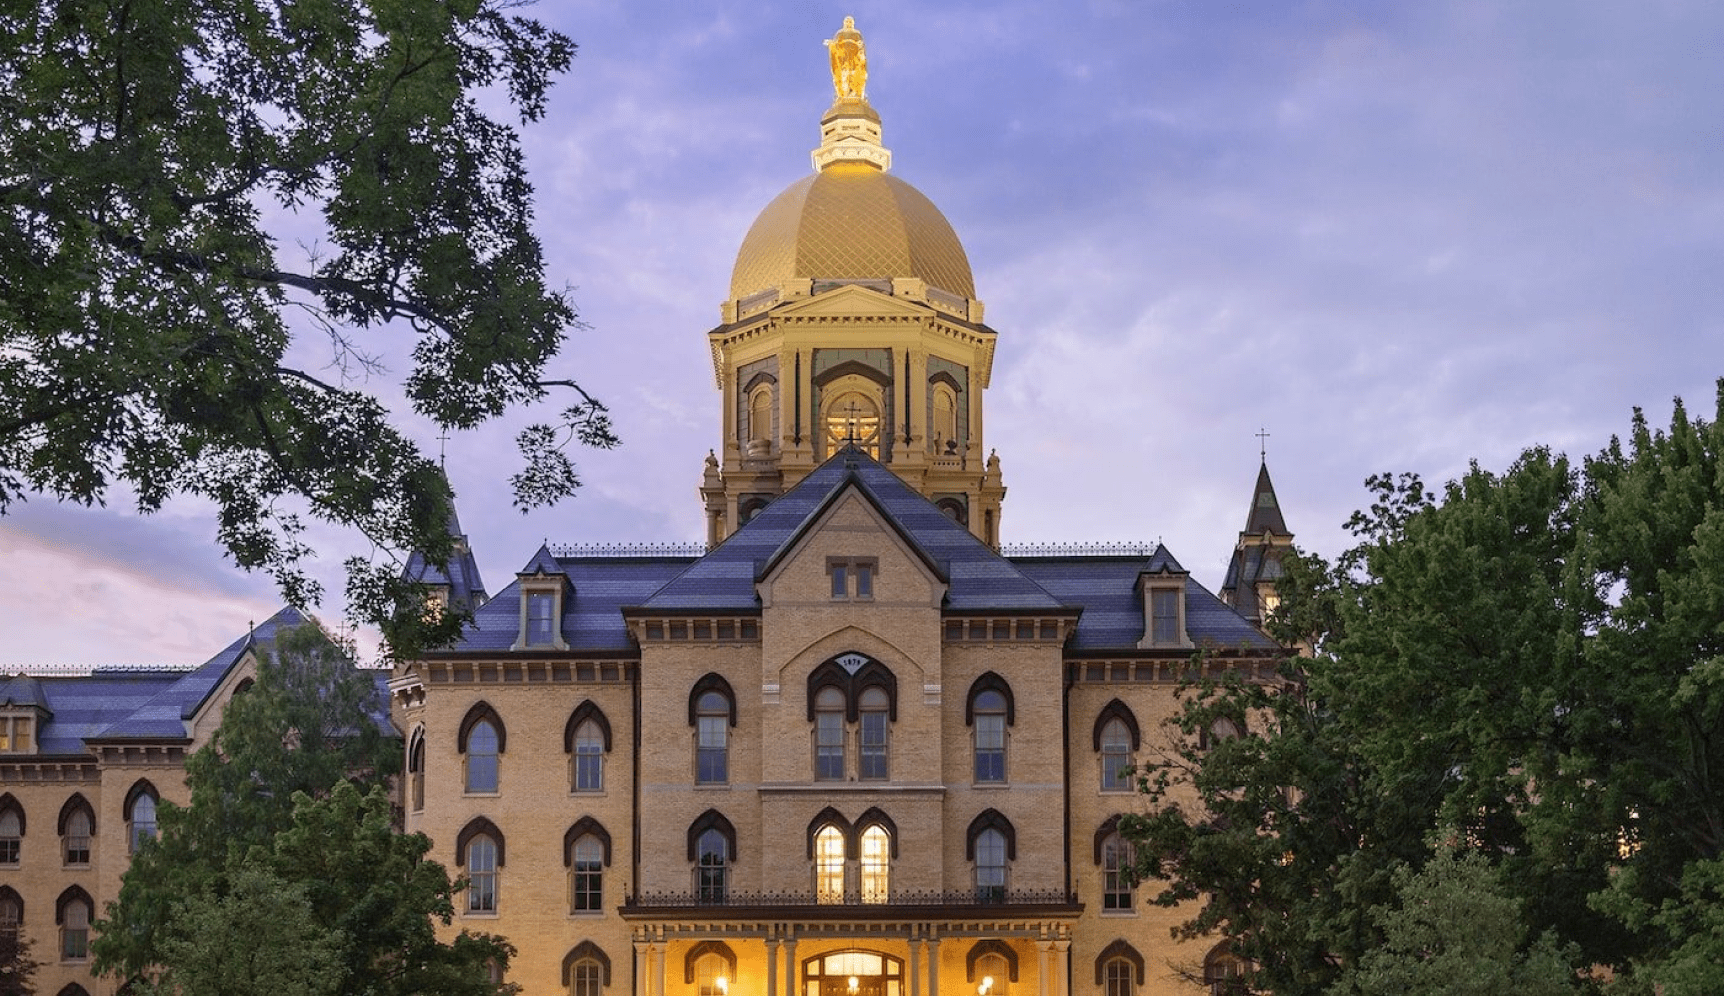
(1531, 667)
(1453, 932)
(150, 325)
(17, 967)
(290, 811)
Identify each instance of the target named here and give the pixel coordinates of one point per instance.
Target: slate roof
(592, 612)
(146, 704)
(1265, 513)
(1106, 588)
(978, 578)
(461, 574)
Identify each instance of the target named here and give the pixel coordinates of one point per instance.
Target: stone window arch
(12, 826)
(991, 948)
(140, 813)
(77, 828)
(1116, 740)
(587, 739)
(482, 739)
(1119, 969)
(586, 969)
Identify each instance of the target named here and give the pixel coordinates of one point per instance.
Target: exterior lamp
(723, 985)
(986, 986)
(855, 985)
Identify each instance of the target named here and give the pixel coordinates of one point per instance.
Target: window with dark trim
(12, 825)
(1119, 969)
(586, 852)
(416, 771)
(72, 913)
(482, 739)
(711, 849)
(712, 712)
(852, 578)
(1116, 740)
(140, 814)
(586, 970)
(479, 851)
(991, 843)
(989, 711)
(587, 739)
(77, 826)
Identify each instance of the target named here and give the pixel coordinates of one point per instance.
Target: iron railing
(733, 898)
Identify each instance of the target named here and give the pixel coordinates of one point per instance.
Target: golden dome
(851, 221)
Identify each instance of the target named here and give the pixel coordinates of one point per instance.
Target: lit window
(587, 887)
(993, 976)
(709, 977)
(482, 875)
(853, 418)
(482, 757)
(143, 826)
(541, 606)
(710, 860)
(1164, 609)
(829, 735)
(876, 864)
(1115, 757)
(871, 758)
(11, 834)
(991, 866)
(77, 837)
(589, 757)
(829, 865)
(712, 737)
(15, 734)
(1117, 886)
(990, 723)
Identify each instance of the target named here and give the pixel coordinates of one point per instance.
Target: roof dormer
(23, 712)
(545, 593)
(1162, 589)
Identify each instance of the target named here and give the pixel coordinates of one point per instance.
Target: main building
(846, 748)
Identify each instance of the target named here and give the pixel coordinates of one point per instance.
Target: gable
(850, 536)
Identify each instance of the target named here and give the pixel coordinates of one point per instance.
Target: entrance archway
(852, 973)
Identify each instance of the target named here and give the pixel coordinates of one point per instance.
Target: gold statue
(849, 62)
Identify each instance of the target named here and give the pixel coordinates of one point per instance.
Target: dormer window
(17, 734)
(1164, 609)
(542, 612)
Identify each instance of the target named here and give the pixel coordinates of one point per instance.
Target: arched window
(853, 417)
(1222, 729)
(711, 849)
(945, 420)
(710, 967)
(73, 989)
(829, 864)
(479, 849)
(991, 843)
(760, 415)
(416, 770)
(77, 827)
(1119, 969)
(482, 741)
(140, 814)
(871, 736)
(1118, 877)
(586, 970)
(72, 914)
(11, 908)
(587, 876)
(712, 712)
(989, 711)
(1115, 757)
(1225, 973)
(991, 965)
(587, 739)
(11, 830)
(829, 735)
(876, 864)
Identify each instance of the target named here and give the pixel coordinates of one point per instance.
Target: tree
(1453, 932)
(290, 820)
(151, 323)
(17, 968)
(1530, 668)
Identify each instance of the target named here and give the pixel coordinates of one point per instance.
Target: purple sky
(1397, 235)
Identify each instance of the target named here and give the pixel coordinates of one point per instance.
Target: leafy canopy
(1530, 667)
(285, 873)
(151, 321)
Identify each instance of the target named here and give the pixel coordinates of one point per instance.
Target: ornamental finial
(849, 62)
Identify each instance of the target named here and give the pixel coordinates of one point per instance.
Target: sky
(1395, 236)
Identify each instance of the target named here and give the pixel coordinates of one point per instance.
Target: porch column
(640, 979)
(1044, 970)
(1062, 967)
(915, 979)
(792, 982)
(934, 967)
(659, 955)
(772, 967)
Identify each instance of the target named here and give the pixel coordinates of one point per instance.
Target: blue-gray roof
(592, 612)
(978, 578)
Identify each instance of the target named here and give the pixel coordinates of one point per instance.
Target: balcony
(920, 904)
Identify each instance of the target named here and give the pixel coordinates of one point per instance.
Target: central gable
(851, 555)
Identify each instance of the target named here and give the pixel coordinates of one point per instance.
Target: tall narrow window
(990, 723)
(77, 837)
(416, 772)
(1117, 885)
(74, 929)
(991, 866)
(1115, 756)
(993, 975)
(1164, 605)
(482, 757)
(712, 736)
(871, 759)
(876, 864)
(589, 757)
(143, 825)
(1225, 973)
(829, 865)
(541, 622)
(760, 415)
(710, 862)
(829, 735)
(587, 885)
(481, 875)
(853, 418)
(11, 908)
(11, 832)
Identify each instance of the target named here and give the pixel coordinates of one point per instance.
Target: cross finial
(1262, 443)
(852, 423)
(443, 447)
